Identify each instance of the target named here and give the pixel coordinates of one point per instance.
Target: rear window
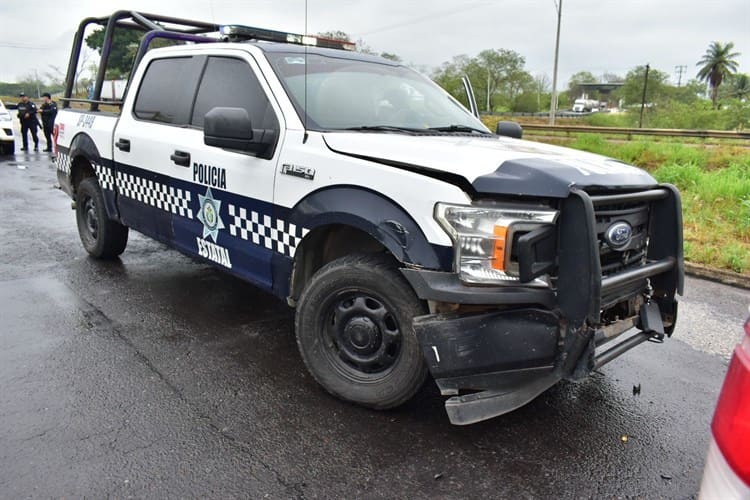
(165, 94)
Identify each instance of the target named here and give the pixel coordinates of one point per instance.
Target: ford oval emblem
(618, 235)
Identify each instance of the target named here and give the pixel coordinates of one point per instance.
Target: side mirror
(509, 129)
(231, 128)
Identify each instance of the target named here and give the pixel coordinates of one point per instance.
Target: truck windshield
(344, 94)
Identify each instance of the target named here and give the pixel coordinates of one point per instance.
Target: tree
(125, 43)
(542, 89)
(124, 47)
(632, 91)
(738, 87)
(574, 84)
(449, 75)
(503, 74)
(688, 93)
(497, 75)
(716, 64)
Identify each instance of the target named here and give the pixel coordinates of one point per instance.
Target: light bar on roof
(238, 33)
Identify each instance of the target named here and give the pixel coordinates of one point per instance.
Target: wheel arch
(83, 156)
(86, 161)
(349, 219)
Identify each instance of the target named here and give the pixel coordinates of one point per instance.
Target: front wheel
(355, 335)
(101, 237)
(7, 148)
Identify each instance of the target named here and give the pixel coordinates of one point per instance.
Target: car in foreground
(408, 237)
(7, 136)
(727, 472)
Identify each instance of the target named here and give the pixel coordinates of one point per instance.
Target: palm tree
(741, 89)
(717, 63)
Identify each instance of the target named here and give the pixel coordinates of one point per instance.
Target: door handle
(123, 145)
(181, 158)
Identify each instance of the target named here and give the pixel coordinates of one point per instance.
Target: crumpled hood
(493, 165)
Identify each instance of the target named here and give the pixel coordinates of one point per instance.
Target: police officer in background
(49, 112)
(27, 115)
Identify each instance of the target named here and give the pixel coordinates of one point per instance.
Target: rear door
(148, 199)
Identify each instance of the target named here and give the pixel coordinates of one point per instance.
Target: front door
(218, 202)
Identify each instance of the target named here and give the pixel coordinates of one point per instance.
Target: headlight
(483, 239)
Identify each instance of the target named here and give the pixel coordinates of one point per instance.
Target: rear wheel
(101, 237)
(355, 335)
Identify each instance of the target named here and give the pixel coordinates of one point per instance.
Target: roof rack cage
(152, 26)
(172, 28)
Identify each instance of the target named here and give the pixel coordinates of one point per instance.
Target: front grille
(617, 259)
(637, 209)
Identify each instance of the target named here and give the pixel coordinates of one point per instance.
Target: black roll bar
(149, 24)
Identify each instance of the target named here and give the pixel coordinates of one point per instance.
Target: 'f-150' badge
(298, 171)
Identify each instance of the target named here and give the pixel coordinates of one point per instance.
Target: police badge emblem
(209, 215)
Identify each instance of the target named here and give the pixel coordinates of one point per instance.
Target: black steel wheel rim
(362, 335)
(91, 222)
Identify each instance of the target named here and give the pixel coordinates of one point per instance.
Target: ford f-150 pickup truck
(410, 239)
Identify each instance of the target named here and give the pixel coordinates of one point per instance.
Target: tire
(8, 148)
(101, 237)
(354, 331)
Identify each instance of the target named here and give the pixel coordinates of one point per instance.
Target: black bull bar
(516, 349)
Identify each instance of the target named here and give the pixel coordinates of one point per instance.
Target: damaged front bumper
(503, 346)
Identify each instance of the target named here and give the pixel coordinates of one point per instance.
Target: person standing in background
(27, 115)
(49, 112)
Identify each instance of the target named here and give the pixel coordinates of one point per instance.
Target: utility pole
(488, 90)
(643, 99)
(553, 103)
(680, 69)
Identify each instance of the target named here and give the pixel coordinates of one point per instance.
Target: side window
(231, 82)
(161, 96)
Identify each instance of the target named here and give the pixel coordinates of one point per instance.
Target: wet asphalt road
(155, 376)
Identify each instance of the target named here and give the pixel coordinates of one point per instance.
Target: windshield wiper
(458, 128)
(387, 128)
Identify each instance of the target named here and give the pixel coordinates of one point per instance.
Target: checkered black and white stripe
(63, 162)
(262, 230)
(105, 176)
(155, 194)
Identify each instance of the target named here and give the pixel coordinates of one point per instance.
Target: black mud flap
(473, 408)
(456, 345)
(507, 355)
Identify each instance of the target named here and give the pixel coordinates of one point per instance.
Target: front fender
(380, 217)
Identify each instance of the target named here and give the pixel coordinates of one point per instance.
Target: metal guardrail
(664, 132)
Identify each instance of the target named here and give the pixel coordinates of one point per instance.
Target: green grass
(716, 211)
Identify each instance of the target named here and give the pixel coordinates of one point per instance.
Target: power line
(24, 46)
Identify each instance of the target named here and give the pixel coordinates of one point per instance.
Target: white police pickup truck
(410, 239)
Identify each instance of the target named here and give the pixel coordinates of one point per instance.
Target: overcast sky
(597, 35)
